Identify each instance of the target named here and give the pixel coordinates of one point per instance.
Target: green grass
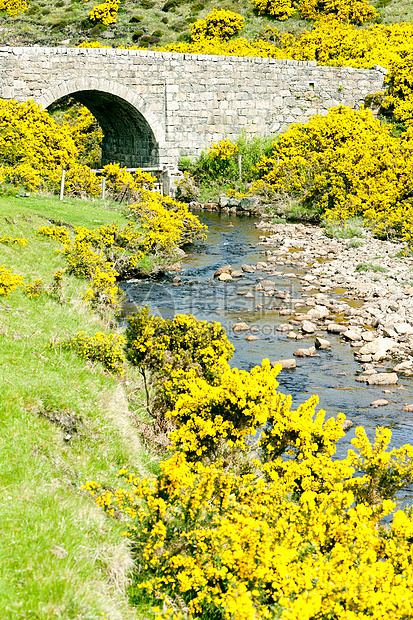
(346, 230)
(71, 210)
(395, 11)
(370, 267)
(294, 211)
(355, 244)
(60, 556)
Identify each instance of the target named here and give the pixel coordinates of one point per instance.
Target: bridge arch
(133, 135)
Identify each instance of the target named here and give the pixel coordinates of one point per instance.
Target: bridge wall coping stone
(96, 51)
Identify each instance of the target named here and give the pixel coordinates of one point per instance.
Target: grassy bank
(63, 421)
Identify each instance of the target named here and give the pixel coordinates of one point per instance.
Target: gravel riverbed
(376, 319)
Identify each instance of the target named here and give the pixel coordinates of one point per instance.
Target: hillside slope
(149, 22)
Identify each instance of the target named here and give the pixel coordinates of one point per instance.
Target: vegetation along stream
(235, 241)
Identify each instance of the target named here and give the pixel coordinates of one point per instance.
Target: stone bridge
(155, 107)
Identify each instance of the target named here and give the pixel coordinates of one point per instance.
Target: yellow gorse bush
(166, 223)
(90, 249)
(32, 291)
(8, 240)
(83, 259)
(9, 281)
(168, 349)
(346, 163)
(385, 472)
(280, 9)
(80, 181)
(32, 146)
(37, 287)
(220, 24)
(13, 7)
(181, 342)
(91, 254)
(58, 233)
(94, 44)
(224, 149)
(105, 13)
(353, 11)
(246, 545)
(295, 534)
(34, 149)
(103, 292)
(143, 180)
(117, 178)
(104, 348)
(86, 134)
(56, 286)
(211, 414)
(399, 98)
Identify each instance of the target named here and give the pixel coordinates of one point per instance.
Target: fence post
(62, 184)
(103, 187)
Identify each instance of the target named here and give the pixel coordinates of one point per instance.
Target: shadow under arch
(131, 135)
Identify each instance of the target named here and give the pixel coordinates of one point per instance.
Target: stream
(234, 241)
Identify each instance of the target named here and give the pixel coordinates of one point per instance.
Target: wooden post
(62, 184)
(103, 187)
(240, 166)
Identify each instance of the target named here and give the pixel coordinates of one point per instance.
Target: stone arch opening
(128, 137)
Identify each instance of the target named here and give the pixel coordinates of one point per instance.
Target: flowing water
(235, 241)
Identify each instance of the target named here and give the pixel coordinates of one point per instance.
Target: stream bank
(285, 277)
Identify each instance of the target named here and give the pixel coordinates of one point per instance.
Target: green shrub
(370, 267)
(186, 164)
(170, 5)
(59, 25)
(346, 230)
(197, 7)
(221, 161)
(149, 39)
(355, 244)
(184, 37)
(179, 25)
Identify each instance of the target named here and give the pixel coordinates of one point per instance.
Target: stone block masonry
(155, 107)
